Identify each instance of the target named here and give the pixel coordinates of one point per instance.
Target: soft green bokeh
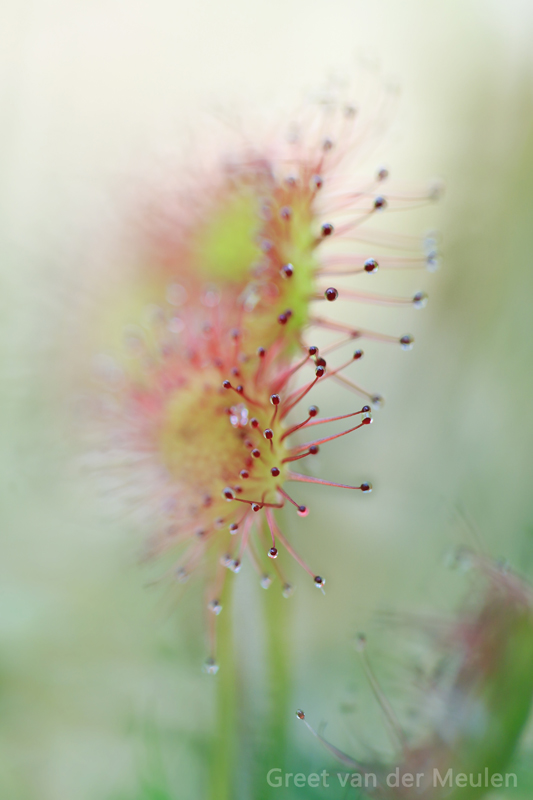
(101, 696)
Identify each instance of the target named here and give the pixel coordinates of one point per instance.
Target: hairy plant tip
(476, 699)
(202, 398)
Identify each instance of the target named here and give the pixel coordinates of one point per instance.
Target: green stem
(277, 617)
(223, 783)
(224, 745)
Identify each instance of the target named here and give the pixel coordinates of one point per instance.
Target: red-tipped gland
(273, 552)
(226, 385)
(261, 352)
(283, 319)
(302, 511)
(406, 342)
(319, 581)
(313, 350)
(366, 487)
(331, 294)
(244, 474)
(275, 399)
(313, 450)
(256, 507)
(366, 421)
(228, 493)
(268, 434)
(320, 362)
(256, 453)
(320, 371)
(357, 355)
(420, 300)
(313, 411)
(317, 182)
(233, 528)
(327, 229)
(274, 472)
(371, 265)
(380, 203)
(239, 389)
(300, 714)
(287, 271)
(254, 422)
(215, 607)
(365, 410)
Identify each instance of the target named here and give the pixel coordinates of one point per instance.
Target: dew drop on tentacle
(380, 203)
(244, 474)
(313, 411)
(233, 528)
(319, 581)
(432, 262)
(256, 507)
(317, 182)
(331, 294)
(406, 342)
(275, 399)
(215, 607)
(287, 271)
(312, 350)
(256, 453)
(300, 714)
(420, 300)
(287, 590)
(273, 552)
(210, 666)
(377, 400)
(327, 229)
(274, 472)
(357, 355)
(382, 174)
(371, 266)
(265, 581)
(366, 487)
(302, 511)
(268, 433)
(228, 493)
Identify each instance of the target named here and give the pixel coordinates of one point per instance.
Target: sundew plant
(206, 402)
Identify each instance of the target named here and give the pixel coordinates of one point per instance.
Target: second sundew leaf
(227, 245)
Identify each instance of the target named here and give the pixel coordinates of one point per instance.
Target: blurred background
(102, 697)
